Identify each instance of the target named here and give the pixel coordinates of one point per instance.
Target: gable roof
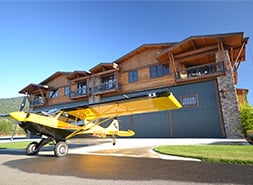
(101, 67)
(77, 74)
(229, 40)
(35, 88)
(53, 76)
(143, 48)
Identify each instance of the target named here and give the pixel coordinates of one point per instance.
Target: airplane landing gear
(31, 149)
(113, 140)
(60, 150)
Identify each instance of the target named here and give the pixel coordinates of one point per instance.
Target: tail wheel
(31, 149)
(61, 149)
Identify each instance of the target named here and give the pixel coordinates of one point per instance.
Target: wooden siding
(142, 63)
(58, 83)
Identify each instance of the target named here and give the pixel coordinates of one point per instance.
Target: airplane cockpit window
(51, 112)
(68, 118)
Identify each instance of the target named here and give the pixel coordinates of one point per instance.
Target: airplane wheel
(31, 148)
(61, 149)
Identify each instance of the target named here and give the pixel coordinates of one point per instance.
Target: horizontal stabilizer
(122, 133)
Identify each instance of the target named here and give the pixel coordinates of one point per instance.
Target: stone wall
(228, 99)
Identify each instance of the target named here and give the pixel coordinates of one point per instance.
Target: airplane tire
(31, 148)
(61, 149)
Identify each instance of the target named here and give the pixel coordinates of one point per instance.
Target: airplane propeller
(21, 108)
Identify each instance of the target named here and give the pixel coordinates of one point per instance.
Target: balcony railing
(201, 71)
(99, 89)
(37, 101)
(105, 87)
(81, 92)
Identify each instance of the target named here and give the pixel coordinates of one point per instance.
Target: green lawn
(14, 145)
(235, 154)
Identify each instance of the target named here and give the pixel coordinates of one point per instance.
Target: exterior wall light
(223, 92)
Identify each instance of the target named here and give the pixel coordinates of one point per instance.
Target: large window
(158, 71)
(133, 76)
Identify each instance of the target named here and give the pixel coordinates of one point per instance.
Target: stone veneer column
(229, 103)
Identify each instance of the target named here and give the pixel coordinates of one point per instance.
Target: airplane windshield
(68, 118)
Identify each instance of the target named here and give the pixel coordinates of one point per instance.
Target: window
(108, 82)
(133, 76)
(191, 100)
(81, 88)
(66, 90)
(158, 71)
(54, 93)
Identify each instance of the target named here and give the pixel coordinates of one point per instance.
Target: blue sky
(38, 38)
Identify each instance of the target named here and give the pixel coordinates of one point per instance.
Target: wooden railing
(200, 71)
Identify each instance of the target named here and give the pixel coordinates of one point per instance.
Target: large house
(201, 72)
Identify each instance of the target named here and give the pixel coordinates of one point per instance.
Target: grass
(14, 145)
(233, 154)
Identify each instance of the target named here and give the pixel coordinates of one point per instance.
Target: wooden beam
(196, 52)
(193, 44)
(182, 59)
(232, 56)
(241, 49)
(172, 61)
(237, 65)
(220, 49)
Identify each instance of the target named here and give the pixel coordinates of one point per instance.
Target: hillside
(10, 104)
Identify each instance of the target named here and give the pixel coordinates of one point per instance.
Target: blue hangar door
(199, 117)
(149, 125)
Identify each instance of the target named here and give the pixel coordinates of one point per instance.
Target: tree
(6, 126)
(246, 115)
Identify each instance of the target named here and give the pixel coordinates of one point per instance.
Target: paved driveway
(91, 168)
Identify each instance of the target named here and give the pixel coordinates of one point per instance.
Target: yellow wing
(128, 107)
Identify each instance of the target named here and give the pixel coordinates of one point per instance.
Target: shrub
(246, 115)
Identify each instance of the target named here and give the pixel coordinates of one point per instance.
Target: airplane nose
(19, 116)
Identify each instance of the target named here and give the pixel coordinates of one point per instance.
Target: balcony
(106, 87)
(200, 71)
(37, 101)
(79, 93)
(96, 90)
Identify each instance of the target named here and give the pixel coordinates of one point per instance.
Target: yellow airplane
(60, 125)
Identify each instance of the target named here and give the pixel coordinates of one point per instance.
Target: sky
(39, 38)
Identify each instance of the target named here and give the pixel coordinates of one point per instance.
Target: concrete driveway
(129, 162)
